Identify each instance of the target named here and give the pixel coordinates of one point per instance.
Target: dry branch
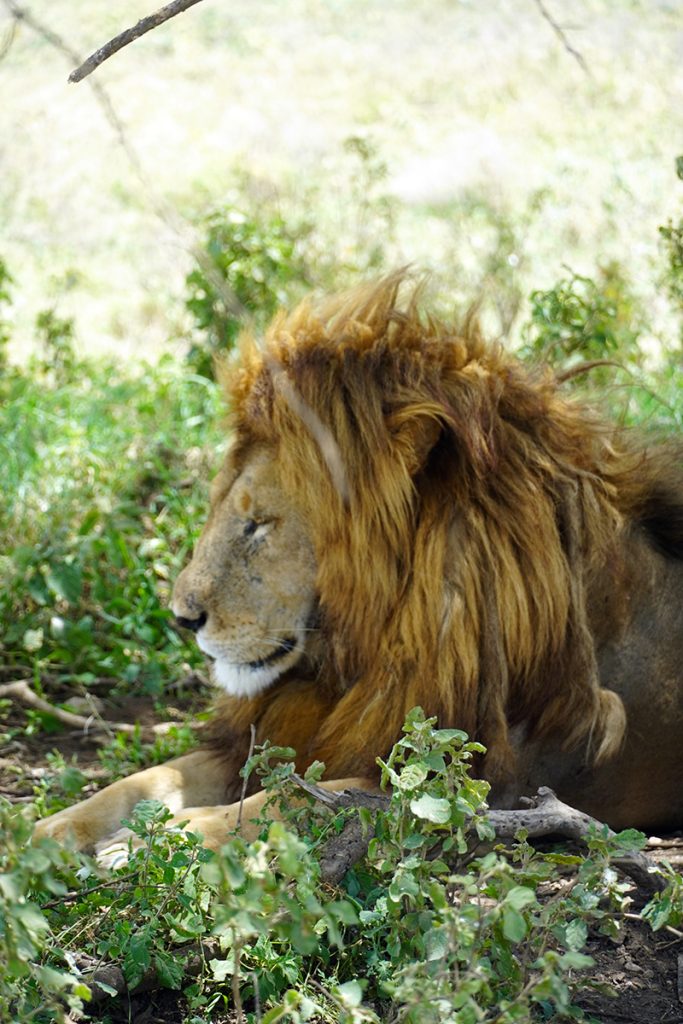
(562, 36)
(545, 816)
(130, 35)
(21, 691)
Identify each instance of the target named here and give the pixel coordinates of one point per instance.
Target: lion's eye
(250, 528)
(255, 530)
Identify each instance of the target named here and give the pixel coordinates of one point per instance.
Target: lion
(407, 516)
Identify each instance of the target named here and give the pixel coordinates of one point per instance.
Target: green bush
(248, 266)
(34, 985)
(581, 319)
(105, 484)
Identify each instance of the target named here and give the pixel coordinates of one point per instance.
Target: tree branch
(562, 36)
(545, 815)
(130, 35)
(21, 691)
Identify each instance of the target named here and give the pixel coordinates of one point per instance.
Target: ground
(643, 970)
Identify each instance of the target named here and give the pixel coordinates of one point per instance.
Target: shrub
(581, 318)
(249, 265)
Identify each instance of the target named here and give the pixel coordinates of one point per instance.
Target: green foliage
(55, 336)
(5, 301)
(127, 752)
(437, 924)
(672, 236)
(31, 990)
(105, 477)
(585, 319)
(250, 264)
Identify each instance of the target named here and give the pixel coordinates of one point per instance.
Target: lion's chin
(244, 680)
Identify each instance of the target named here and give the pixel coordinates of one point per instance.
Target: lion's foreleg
(218, 824)
(196, 779)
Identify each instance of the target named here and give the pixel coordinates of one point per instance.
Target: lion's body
(409, 516)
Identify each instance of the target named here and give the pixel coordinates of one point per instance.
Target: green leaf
(412, 776)
(65, 581)
(520, 897)
(351, 993)
(514, 925)
(436, 944)
(431, 808)
(576, 934)
(170, 971)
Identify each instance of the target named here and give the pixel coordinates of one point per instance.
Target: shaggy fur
(460, 507)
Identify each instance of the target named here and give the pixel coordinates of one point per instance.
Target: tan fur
(447, 528)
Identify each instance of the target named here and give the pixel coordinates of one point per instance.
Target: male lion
(408, 516)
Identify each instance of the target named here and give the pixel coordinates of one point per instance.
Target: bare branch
(21, 691)
(20, 13)
(576, 371)
(130, 35)
(162, 209)
(562, 36)
(245, 780)
(545, 815)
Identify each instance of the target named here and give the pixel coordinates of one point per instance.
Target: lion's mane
(460, 506)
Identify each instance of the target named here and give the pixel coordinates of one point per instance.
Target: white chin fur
(242, 681)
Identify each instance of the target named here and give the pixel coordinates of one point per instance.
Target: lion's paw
(113, 852)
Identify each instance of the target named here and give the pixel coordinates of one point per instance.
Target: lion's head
(411, 517)
(249, 592)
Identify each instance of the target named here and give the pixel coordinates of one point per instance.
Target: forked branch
(545, 815)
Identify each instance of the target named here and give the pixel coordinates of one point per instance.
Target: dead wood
(22, 691)
(545, 815)
(130, 35)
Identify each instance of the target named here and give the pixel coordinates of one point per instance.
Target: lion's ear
(414, 430)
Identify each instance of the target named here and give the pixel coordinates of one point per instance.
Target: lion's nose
(194, 624)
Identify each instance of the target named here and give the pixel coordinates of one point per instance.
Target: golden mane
(458, 504)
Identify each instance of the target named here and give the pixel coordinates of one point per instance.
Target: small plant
(55, 335)
(32, 990)
(585, 319)
(248, 267)
(5, 301)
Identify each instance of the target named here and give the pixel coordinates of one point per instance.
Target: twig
(162, 209)
(130, 35)
(20, 13)
(576, 371)
(236, 994)
(21, 690)
(678, 935)
(108, 883)
(562, 36)
(245, 780)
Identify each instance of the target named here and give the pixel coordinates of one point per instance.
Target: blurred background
(464, 138)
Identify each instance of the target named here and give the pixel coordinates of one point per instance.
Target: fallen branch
(545, 816)
(22, 691)
(130, 35)
(108, 980)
